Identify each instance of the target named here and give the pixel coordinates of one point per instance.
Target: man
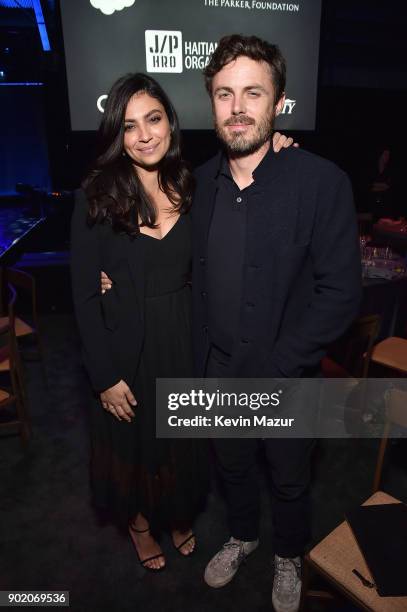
(276, 278)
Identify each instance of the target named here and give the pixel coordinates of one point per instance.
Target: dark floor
(51, 540)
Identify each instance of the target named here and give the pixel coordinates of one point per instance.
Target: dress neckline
(165, 235)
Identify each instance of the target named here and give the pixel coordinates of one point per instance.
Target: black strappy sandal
(178, 548)
(144, 561)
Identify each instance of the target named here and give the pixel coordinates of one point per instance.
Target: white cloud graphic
(108, 7)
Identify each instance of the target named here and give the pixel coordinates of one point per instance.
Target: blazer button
(202, 261)
(203, 294)
(244, 341)
(205, 329)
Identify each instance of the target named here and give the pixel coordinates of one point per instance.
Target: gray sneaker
(224, 565)
(287, 584)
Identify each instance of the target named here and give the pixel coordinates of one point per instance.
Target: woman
(131, 221)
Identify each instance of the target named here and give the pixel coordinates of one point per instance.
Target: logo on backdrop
(108, 7)
(288, 106)
(253, 5)
(163, 51)
(167, 52)
(100, 103)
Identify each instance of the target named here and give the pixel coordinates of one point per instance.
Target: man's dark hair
(233, 46)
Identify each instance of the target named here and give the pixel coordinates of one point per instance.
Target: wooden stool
(10, 364)
(337, 555)
(391, 353)
(352, 353)
(24, 284)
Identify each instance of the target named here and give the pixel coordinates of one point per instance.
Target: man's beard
(240, 145)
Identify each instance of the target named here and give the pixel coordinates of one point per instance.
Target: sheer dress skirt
(131, 470)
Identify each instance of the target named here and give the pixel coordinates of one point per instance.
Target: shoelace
(287, 574)
(228, 553)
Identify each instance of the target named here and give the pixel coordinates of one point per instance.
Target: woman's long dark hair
(114, 191)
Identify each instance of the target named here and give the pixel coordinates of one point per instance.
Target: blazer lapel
(209, 207)
(208, 191)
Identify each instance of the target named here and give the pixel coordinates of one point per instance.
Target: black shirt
(226, 255)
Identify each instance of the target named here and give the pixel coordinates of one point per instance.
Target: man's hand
(282, 142)
(118, 400)
(105, 282)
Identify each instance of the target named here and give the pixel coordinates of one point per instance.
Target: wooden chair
(391, 353)
(25, 284)
(338, 553)
(12, 391)
(396, 414)
(336, 556)
(351, 355)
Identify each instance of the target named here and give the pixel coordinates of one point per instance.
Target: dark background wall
(24, 147)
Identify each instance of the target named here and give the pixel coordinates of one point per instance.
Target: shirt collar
(262, 171)
(260, 174)
(223, 168)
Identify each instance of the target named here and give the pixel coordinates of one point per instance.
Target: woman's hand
(282, 142)
(118, 400)
(105, 282)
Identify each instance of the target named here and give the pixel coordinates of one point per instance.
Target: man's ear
(280, 104)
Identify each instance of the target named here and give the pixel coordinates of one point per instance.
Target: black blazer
(111, 325)
(302, 272)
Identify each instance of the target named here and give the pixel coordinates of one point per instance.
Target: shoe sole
(275, 608)
(221, 584)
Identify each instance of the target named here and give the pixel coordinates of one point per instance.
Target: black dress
(132, 471)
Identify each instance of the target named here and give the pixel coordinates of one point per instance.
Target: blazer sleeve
(85, 275)
(337, 291)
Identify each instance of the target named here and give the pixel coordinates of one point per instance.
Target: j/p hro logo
(163, 51)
